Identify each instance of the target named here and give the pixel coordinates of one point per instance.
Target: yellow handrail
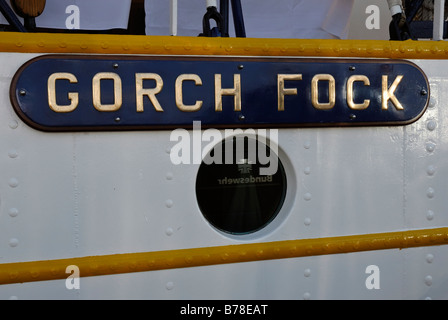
(166, 45)
(184, 258)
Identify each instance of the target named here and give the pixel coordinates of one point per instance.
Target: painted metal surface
(80, 194)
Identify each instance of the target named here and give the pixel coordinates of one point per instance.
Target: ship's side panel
(78, 194)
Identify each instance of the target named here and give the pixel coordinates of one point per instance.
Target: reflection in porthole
(234, 195)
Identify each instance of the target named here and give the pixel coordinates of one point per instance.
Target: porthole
(238, 190)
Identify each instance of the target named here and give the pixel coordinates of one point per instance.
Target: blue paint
(258, 94)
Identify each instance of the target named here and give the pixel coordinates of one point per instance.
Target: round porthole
(241, 185)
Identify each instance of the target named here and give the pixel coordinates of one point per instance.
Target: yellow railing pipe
(184, 258)
(168, 45)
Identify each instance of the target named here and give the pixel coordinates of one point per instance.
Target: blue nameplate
(75, 92)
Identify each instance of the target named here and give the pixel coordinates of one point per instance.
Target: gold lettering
(281, 91)
(389, 94)
(150, 93)
(350, 102)
(235, 91)
(179, 94)
(96, 89)
(51, 89)
(315, 91)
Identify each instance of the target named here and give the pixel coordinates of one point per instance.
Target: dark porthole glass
(232, 195)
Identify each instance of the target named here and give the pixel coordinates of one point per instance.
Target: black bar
(224, 11)
(238, 18)
(11, 16)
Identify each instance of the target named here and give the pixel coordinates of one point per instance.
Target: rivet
(352, 68)
(431, 125)
(428, 281)
(117, 119)
(307, 273)
(13, 212)
(12, 154)
(423, 92)
(430, 147)
(307, 196)
(151, 263)
(241, 117)
(352, 116)
(240, 67)
(169, 176)
(307, 145)
(169, 203)
(429, 258)
(115, 65)
(430, 193)
(306, 296)
(169, 262)
(22, 92)
(54, 271)
(169, 286)
(429, 215)
(169, 232)
(432, 103)
(434, 49)
(13, 182)
(307, 170)
(13, 124)
(431, 170)
(13, 242)
(307, 221)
